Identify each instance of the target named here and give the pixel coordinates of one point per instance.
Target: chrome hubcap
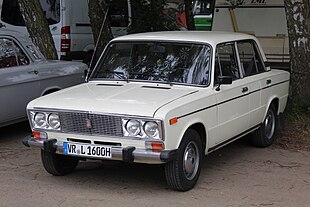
(191, 160)
(270, 124)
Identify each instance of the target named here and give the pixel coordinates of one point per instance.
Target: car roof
(20, 36)
(212, 38)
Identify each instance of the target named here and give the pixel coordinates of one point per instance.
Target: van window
(10, 12)
(202, 7)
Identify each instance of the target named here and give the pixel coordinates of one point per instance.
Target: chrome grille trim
(101, 124)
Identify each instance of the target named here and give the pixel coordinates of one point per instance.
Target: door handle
(245, 89)
(34, 71)
(268, 81)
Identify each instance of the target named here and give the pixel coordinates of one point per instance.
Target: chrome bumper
(128, 154)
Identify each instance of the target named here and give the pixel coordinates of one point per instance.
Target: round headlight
(151, 129)
(133, 127)
(53, 121)
(40, 120)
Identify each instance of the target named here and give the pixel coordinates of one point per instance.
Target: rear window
(11, 13)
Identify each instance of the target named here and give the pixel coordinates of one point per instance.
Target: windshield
(181, 63)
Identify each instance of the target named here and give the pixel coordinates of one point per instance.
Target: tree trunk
(37, 27)
(298, 23)
(189, 15)
(99, 20)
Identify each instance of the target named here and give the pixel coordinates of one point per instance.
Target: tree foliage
(298, 22)
(148, 16)
(37, 27)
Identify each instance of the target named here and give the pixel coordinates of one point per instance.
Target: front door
(233, 99)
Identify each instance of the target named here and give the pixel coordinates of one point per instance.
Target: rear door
(254, 71)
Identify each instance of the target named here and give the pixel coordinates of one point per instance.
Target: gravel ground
(237, 175)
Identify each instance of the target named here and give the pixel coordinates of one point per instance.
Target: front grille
(91, 124)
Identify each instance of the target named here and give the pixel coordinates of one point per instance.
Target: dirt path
(237, 175)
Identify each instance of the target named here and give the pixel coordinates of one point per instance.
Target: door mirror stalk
(223, 80)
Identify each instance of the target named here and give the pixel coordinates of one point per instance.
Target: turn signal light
(39, 135)
(155, 146)
(173, 121)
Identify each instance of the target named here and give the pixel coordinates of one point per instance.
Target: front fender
(174, 133)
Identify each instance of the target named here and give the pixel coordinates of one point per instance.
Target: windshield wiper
(120, 75)
(165, 78)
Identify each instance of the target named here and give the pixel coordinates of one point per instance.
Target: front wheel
(182, 174)
(57, 164)
(265, 135)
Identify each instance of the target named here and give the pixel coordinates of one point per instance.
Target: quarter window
(250, 59)
(11, 55)
(226, 62)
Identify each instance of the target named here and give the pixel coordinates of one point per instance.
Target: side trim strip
(208, 107)
(233, 138)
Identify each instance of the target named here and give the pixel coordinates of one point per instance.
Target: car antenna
(96, 46)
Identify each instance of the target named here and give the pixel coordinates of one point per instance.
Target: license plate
(87, 150)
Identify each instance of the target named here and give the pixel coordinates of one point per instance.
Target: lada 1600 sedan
(162, 98)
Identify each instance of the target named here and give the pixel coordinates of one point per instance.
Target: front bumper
(128, 154)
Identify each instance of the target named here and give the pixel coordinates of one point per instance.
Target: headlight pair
(43, 120)
(142, 129)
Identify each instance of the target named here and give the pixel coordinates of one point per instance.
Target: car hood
(138, 99)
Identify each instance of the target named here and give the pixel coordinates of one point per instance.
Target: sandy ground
(237, 175)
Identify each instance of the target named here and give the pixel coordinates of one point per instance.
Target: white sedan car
(162, 98)
(25, 75)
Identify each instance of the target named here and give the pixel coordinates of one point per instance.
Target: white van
(68, 21)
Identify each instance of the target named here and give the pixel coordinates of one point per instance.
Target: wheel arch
(273, 101)
(201, 129)
(50, 90)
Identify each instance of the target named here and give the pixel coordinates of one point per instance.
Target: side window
(251, 61)
(11, 55)
(226, 62)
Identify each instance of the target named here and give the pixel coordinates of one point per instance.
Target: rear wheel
(182, 174)
(57, 164)
(265, 135)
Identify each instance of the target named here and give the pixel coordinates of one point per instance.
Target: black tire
(265, 135)
(182, 174)
(57, 164)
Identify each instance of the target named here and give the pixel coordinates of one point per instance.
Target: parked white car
(162, 98)
(25, 75)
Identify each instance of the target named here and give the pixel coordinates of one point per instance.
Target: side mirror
(267, 65)
(224, 80)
